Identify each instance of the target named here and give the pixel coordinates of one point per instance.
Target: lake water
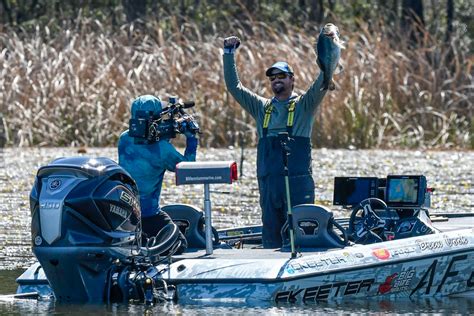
(451, 173)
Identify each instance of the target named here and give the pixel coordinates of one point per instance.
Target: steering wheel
(365, 225)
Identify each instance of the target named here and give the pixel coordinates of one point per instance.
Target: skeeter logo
(325, 291)
(325, 262)
(382, 254)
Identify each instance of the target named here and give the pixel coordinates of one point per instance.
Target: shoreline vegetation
(69, 80)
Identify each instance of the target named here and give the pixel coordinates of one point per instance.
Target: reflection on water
(7, 280)
(451, 173)
(446, 306)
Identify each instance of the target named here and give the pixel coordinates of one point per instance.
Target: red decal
(387, 285)
(382, 254)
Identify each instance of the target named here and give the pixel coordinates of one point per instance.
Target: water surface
(451, 173)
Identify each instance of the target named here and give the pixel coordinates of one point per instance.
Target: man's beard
(278, 89)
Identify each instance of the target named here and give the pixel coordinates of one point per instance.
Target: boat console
(384, 208)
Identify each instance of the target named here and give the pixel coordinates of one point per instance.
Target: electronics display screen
(353, 190)
(405, 190)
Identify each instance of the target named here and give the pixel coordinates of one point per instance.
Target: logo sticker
(38, 240)
(119, 211)
(397, 282)
(382, 254)
(55, 184)
(387, 285)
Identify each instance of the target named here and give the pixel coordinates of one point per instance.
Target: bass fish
(328, 49)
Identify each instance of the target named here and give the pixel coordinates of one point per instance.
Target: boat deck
(232, 253)
(255, 251)
(454, 222)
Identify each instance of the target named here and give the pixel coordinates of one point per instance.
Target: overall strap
(291, 115)
(289, 121)
(266, 119)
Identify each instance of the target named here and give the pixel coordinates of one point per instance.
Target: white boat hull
(427, 266)
(419, 267)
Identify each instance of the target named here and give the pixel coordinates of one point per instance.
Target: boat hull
(434, 265)
(428, 266)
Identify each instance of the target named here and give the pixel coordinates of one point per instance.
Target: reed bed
(74, 88)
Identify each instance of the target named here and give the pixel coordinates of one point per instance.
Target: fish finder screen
(353, 190)
(405, 190)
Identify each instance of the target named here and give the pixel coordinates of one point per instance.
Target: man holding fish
(284, 112)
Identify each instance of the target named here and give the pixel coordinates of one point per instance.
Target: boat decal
(325, 291)
(381, 253)
(439, 244)
(455, 241)
(323, 262)
(398, 282)
(470, 281)
(403, 252)
(429, 244)
(387, 285)
(442, 242)
(427, 283)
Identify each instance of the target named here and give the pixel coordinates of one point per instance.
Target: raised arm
(313, 97)
(171, 156)
(249, 100)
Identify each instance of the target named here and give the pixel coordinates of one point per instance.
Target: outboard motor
(85, 222)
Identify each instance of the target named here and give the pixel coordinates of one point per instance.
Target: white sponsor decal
(429, 245)
(204, 178)
(455, 241)
(118, 210)
(50, 205)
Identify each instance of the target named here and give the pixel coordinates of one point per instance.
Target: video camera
(172, 120)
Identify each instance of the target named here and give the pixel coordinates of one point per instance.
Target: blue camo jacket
(147, 164)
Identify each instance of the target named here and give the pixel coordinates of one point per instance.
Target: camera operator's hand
(187, 131)
(189, 134)
(231, 43)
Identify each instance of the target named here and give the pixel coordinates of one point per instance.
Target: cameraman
(147, 162)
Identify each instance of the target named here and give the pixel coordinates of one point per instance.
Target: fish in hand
(328, 49)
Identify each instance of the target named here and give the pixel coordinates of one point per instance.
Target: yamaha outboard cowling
(85, 219)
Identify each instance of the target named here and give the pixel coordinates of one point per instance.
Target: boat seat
(313, 226)
(190, 221)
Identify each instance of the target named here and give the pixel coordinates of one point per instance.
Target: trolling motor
(86, 234)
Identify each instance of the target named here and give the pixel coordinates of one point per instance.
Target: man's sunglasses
(281, 75)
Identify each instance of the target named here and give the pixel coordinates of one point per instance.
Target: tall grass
(75, 87)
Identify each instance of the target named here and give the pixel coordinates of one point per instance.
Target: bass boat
(86, 236)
